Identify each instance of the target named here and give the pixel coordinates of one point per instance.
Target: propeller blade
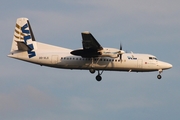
(120, 46)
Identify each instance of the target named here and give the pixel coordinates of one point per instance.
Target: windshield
(153, 58)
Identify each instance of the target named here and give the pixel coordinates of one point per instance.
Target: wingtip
(86, 32)
(22, 18)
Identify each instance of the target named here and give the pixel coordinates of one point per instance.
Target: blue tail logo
(25, 33)
(27, 36)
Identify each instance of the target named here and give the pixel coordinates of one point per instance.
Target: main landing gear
(159, 76)
(92, 70)
(98, 77)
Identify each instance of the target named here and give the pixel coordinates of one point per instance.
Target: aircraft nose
(165, 65)
(169, 65)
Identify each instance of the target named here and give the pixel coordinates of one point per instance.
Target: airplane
(92, 56)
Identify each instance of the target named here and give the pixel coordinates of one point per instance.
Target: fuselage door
(139, 63)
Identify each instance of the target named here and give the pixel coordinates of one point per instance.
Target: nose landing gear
(159, 76)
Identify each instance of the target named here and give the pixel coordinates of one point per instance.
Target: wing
(91, 48)
(89, 42)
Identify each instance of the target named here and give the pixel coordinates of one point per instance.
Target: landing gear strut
(159, 76)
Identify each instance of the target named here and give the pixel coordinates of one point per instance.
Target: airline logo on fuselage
(131, 58)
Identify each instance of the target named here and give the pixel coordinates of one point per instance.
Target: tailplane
(23, 39)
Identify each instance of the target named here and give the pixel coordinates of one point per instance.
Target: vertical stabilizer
(23, 39)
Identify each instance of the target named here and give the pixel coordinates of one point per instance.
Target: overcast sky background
(32, 92)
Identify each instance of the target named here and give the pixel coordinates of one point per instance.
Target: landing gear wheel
(98, 78)
(92, 70)
(159, 76)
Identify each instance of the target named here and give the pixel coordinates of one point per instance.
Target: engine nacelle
(109, 54)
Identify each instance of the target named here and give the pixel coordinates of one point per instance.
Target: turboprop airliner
(92, 56)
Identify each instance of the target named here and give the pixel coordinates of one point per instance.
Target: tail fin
(23, 39)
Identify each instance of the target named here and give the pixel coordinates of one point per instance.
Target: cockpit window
(155, 58)
(152, 58)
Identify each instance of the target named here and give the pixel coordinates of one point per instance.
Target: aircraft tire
(159, 76)
(92, 70)
(98, 78)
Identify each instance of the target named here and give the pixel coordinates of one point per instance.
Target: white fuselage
(58, 57)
